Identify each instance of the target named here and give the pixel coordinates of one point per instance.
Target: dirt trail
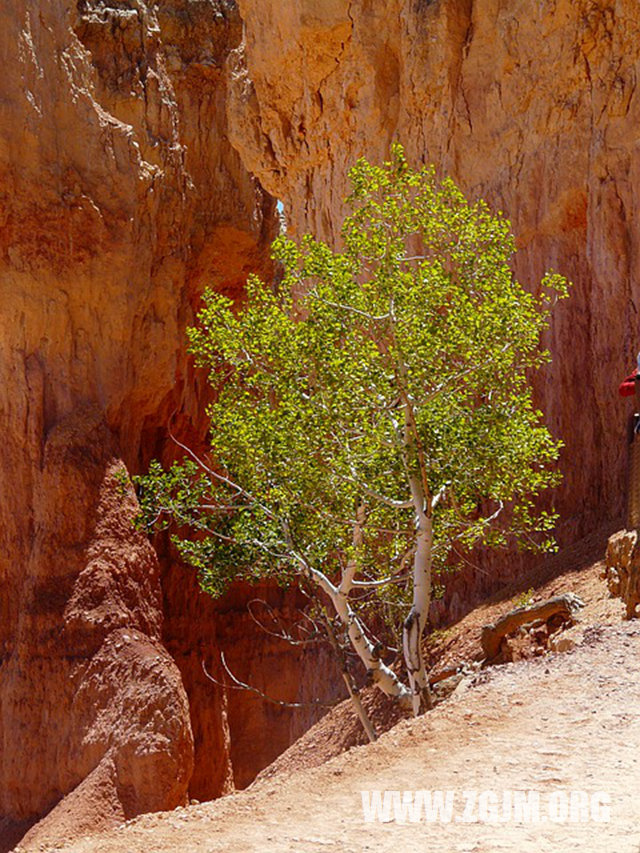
(568, 721)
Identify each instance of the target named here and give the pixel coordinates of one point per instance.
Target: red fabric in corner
(628, 386)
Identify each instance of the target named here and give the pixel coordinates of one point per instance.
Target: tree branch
(288, 638)
(396, 504)
(241, 685)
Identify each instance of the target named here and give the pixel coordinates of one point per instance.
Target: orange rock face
(236, 733)
(120, 199)
(137, 140)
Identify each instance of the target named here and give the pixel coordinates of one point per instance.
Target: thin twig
(240, 685)
(283, 635)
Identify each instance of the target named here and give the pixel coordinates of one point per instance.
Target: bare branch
(439, 495)
(283, 635)
(458, 376)
(352, 564)
(396, 504)
(314, 574)
(382, 582)
(207, 469)
(240, 685)
(365, 314)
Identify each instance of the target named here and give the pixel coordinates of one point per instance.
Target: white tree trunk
(417, 619)
(352, 690)
(414, 462)
(362, 715)
(380, 674)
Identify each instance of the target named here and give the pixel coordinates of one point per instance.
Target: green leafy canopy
(416, 324)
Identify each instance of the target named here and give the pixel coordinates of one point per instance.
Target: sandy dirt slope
(567, 721)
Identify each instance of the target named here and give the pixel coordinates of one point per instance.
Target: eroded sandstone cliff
(143, 146)
(121, 198)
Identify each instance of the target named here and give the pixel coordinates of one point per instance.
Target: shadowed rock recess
(143, 146)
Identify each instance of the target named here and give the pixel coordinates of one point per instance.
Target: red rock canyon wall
(121, 197)
(143, 146)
